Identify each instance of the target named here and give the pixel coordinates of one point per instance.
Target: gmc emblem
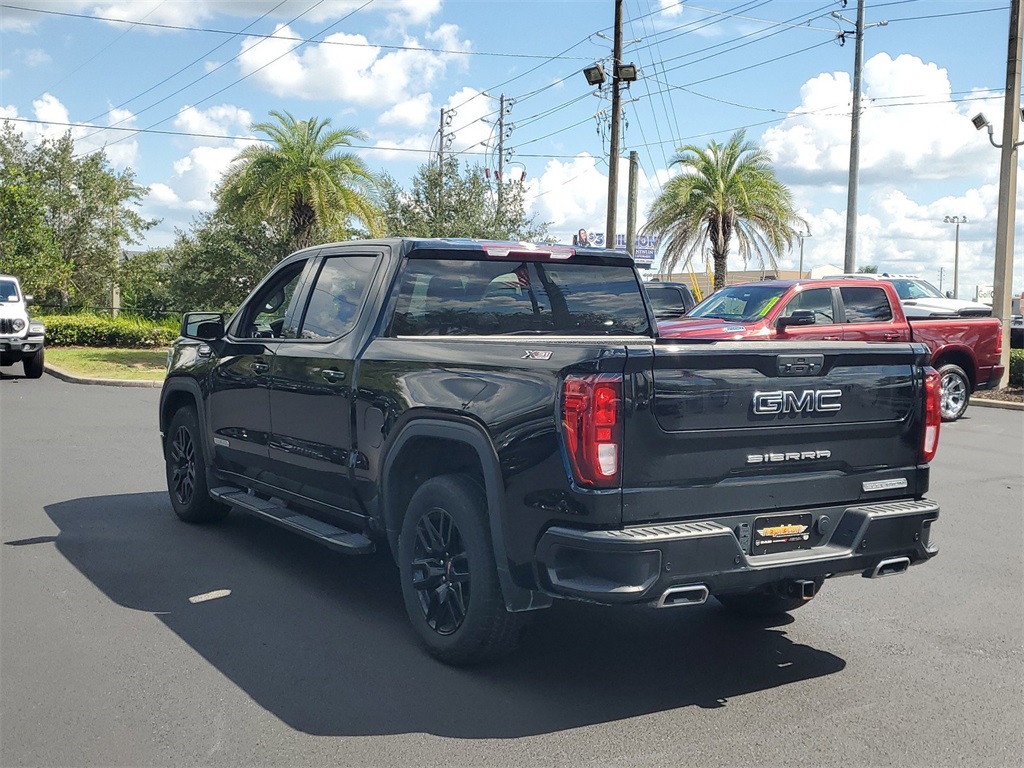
(788, 401)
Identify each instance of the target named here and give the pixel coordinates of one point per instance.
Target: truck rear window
(456, 297)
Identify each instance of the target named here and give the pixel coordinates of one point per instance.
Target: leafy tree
(27, 246)
(88, 207)
(303, 183)
(216, 265)
(725, 191)
(458, 203)
(144, 281)
(869, 269)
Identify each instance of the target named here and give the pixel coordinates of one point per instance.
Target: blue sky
(194, 74)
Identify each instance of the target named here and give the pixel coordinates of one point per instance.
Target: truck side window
(866, 305)
(336, 296)
(264, 313)
(818, 300)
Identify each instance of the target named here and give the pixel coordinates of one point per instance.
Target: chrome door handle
(830, 338)
(259, 367)
(891, 336)
(333, 376)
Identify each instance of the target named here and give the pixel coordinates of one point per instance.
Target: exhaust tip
(692, 594)
(890, 567)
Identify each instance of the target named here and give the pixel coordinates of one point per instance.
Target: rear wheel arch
(430, 447)
(960, 358)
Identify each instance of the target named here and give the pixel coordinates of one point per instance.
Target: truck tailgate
(733, 427)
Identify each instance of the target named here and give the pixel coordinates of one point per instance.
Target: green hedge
(104, 331)
(1017, 367)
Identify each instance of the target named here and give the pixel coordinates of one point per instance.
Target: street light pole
(957, 220)
(802, 235)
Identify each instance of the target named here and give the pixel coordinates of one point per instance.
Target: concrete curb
(1008, 405)
(72, 379)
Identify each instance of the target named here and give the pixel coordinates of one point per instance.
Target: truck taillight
(932, 414)
(592, 428)
(999, 338)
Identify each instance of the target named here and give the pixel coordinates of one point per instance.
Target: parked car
(504, 420)
(1017, 332)
(966, 351)
(21, 338)
(670, 300)
(922, 299)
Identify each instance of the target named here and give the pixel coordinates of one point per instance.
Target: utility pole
(501, 150)
(440, 143)
(1003, 274)
(613, 159)
(634, 167)
(850, 259)
(942, 274)
(443, 142)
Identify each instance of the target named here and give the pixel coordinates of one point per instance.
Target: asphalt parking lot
(104, 661)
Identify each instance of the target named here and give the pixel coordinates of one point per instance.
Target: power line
(187, 66)
(287, 38)
(197, 80)
(258, 69)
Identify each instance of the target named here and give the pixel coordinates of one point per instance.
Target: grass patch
(109, 363)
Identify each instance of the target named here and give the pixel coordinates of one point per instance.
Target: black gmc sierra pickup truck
(503, 418)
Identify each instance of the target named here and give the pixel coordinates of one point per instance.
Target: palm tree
(725, 191)
(303, 181)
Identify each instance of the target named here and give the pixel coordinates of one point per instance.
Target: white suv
(21, 339)
(922, 299)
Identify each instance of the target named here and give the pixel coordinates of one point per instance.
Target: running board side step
(338, 539)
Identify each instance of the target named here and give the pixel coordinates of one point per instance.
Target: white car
(922, 299)
(21, 339)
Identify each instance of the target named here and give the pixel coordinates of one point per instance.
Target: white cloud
(574, 194)
(347, 67)
(932, 139)
(413, 113)
(219, 120)
(35, 57)
(670, 7)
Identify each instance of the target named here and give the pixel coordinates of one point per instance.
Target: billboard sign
(644, 247)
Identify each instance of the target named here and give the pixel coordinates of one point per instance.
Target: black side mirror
(799, 317)
(203, 326)
(29, 298)
(949, 294)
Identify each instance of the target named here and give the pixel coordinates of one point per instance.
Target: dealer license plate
(780, 533)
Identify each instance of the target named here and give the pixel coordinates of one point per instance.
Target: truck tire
(956, 391)
(186, 471)
(33, 365)
(763, 604)
(449, 581)
(6, 360)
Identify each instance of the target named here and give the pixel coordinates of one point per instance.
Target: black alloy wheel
(182, 458)
(186, 471)
(449, 579)
(440, 572)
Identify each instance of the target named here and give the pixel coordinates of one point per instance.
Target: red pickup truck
(965, 351)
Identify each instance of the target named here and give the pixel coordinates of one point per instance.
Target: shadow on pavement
(321, 640)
